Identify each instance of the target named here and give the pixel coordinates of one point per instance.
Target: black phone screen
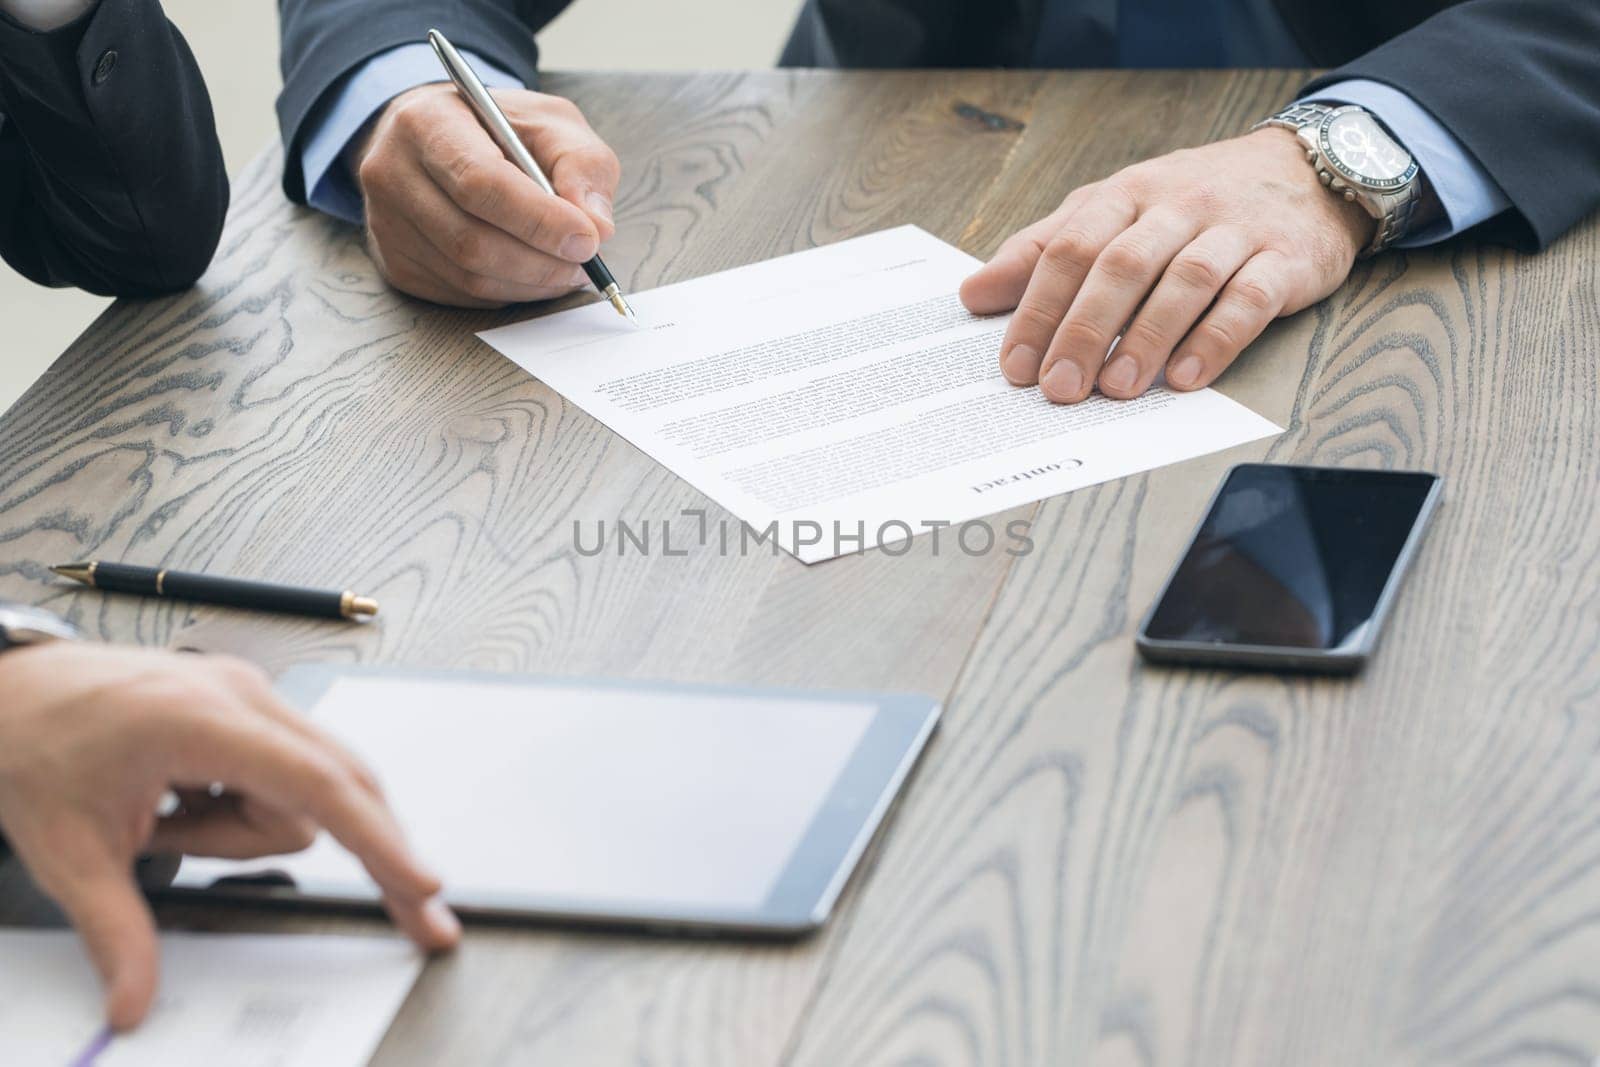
(1293, 557)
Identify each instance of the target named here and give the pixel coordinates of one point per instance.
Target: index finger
(581, 166)
(999, 284)
(105, 906)
(463, 160)
(265, 759)
(1067, 258)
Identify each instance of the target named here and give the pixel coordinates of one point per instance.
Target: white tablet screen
(583, 793)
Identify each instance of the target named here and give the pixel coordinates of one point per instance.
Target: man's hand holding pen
(451, 219)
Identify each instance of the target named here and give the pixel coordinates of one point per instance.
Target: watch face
(1355, 143)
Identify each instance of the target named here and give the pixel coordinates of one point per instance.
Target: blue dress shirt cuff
(1465, 191)
(330, 187)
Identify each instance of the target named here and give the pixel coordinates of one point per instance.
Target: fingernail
(579, 248)
(442, 919)
(1063, 381)
(599, 204)
(1021, 365)
(1185, 372)
(1122, 375)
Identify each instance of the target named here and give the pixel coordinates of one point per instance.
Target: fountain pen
(229, 592)
(499, 127)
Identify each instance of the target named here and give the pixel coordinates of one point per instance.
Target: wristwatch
(1357, 158)
(21, 626)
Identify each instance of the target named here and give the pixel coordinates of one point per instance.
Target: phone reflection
(1289, 557)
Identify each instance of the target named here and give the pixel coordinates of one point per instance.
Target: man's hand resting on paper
(452, 220)
(92, 738)
(1194, 253)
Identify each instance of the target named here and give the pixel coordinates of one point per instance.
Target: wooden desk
(1097, 862)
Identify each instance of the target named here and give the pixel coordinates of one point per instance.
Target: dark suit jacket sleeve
(111, 177)
(1518, 83)
(324, 40)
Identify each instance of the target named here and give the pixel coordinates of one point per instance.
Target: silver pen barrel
(494, 120)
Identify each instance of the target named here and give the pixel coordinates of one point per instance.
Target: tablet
(674, 806)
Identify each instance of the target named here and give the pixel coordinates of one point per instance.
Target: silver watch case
(1391, 201)
(23, 625)
(1341, 178)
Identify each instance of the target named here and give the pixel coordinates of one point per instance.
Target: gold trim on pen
(353, 607)
(161, 580)
(92, 567)
(82, 573)
(620, 302)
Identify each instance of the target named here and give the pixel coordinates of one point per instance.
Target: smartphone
(1293, 568)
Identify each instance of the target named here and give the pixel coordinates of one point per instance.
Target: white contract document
(842, 398)
(247, 1000)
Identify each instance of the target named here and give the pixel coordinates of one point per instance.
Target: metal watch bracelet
(1398, 208)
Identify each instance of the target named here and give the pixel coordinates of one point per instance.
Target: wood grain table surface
(1097, 862)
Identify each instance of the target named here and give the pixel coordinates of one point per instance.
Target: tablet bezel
(803, 895)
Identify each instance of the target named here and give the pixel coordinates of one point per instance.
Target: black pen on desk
(228, 592)
(499, 127)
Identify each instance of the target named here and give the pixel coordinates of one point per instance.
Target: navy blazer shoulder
(111, 175)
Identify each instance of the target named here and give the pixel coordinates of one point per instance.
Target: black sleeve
(324, 40)
(1518, 83)
(896, 34)
(111, 177)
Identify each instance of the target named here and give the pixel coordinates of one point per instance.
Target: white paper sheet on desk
(845, 391)
(247, 1000)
